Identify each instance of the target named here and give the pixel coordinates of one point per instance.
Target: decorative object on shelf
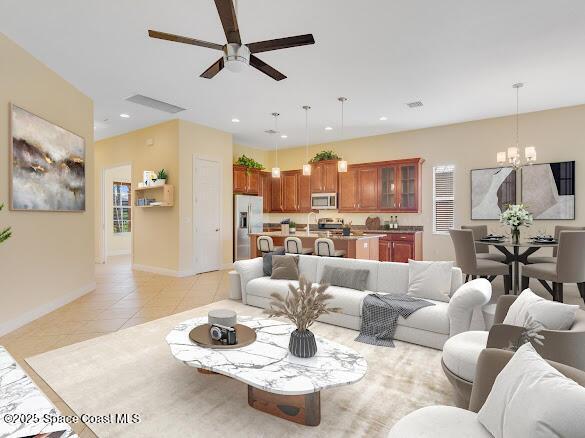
(292, 227)
(512, 155)
(324, 156)
(148, 176)
(516, 216)
(346, 229)
(549, 190)
(342, 164)
(47, 165)
(6, 232)
(307, 165)
(285, 226)
(302, 306)
(373, 223)
(492, 190)
(161, 178)
(275, 169)
(249, 163)
(530, 334)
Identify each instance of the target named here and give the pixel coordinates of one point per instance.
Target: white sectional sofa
(430, 326)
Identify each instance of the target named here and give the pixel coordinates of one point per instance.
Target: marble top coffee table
(278, 382)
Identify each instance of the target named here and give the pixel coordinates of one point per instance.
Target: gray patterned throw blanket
(380, 314)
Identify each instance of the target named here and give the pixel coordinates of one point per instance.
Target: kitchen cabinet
(324, 177)
(348, 190)
(290, 190)
(246, 181)
(400, 247)
(265, 190)
(304, 193)
(367, 188)
(276, 194)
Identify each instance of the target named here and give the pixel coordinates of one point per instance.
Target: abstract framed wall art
(491, 191)
(548, 190)
(47, 165)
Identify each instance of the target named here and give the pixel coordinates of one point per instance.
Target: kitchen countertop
(315, 235)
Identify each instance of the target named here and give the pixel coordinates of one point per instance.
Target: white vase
(160, 182)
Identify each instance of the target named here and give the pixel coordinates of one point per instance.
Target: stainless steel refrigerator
(247, 219)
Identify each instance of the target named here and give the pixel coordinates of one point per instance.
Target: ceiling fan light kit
(236, 56)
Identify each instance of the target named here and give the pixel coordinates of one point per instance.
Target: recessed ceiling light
(328, 128)
(124, 116)
(284, 136)
(235, 120)
(383, 118)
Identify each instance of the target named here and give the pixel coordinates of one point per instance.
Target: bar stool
(325, 248)
(266, 244)
(483, 251)
(293, 245)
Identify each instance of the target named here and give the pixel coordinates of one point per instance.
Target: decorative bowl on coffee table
(278, 382)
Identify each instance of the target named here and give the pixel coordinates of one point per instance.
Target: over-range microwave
(324, 201)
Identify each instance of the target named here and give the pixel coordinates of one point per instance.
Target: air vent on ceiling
(414, 104)
(155, 104)
(271, 131)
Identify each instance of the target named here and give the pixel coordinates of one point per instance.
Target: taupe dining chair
(553, 259)
(294, 245)
(466, 259)
(569, 268)
(326, 248)
(483, 251)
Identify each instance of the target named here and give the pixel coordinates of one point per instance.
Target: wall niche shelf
(161, 194)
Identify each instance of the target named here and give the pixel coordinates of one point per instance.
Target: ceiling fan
(235, 54)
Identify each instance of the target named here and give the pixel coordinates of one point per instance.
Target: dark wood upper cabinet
(408, 187)
(304, 193)
(265, 190)
(348, 190)
(324, 177)
(387, 187)
(290, 188)
(367, 188)
(240, 179)
(275, 194)
(246, 181)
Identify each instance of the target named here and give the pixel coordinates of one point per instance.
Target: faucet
(309, 221)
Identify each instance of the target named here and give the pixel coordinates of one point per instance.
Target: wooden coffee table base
(303, 409)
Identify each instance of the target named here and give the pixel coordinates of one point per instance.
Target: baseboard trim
(42, 310)
(161, 271)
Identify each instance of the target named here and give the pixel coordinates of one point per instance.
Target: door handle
(217, 229)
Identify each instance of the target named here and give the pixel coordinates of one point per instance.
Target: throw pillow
(267, 261)
(530, 398)
(285, 267)
(550, 314)
(431, 280)
(345, 277)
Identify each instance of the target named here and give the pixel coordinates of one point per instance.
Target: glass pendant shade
(530, 153)
(342, 166)
(276, 172)
(501, 158)
(306, 169)
(512, 152)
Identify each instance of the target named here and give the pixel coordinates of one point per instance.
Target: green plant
(5, 233)
(302, 305)
(347, 224)
(324, 155)
(292, 224)
(162, 174)
(249, 163)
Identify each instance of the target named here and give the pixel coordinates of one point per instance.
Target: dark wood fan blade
(281, 43)
(266, 69)
(214, 69)
(182, 39)
(229, 21)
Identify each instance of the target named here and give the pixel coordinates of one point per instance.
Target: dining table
(519, 254)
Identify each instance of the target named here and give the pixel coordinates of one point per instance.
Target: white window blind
(443, 199)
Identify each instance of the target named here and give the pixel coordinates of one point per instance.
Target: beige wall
(156, 230)
(210, 144)
(49, 259)
(558, 135)
(117, 243)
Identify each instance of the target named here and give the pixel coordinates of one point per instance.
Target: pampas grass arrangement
(302, 305)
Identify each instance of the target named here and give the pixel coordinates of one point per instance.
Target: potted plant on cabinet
(161, 177)
(302, 306)
(249, 163)
(292, 227)
(346, 228)
(324, 156)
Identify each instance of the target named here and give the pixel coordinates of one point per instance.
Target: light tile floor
(123, 298)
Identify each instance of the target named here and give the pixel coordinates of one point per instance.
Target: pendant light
(512, 155)
(342, 164)
(307, 165)
(276, 169)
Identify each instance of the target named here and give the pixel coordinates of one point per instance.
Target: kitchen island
(364, 246)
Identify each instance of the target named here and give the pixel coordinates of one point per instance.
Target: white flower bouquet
(516, 216)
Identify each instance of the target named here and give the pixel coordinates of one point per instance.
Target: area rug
(133, 372)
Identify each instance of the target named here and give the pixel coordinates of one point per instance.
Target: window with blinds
(443, 199)
(122, 218)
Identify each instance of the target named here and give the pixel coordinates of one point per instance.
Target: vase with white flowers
(516, 216)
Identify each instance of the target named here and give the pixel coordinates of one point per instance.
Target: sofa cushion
(267, 260)
(393, 278)
(285, 267)
(432, 318)
(460, 353)
(430, 280)
(349, 300)
(370, 265)
(264, 286)
(439, 422)
(346, 277)
(550, 314)
(308, 267)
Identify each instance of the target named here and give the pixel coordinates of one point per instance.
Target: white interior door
(207, 215)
